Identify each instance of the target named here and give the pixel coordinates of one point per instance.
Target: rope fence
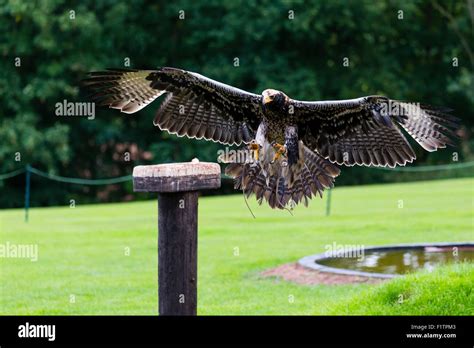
(12, 174)
(28, 170)
(81, 181)
(431, 168)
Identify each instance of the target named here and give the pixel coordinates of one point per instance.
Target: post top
(177, 177)
(177, 169)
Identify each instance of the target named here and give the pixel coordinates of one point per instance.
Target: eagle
(290, 150)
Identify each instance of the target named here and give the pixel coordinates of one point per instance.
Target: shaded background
(58, 42)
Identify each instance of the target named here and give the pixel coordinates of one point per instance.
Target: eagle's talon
(254, 147)
(280, 150)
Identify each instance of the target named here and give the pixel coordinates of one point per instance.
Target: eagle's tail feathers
(309, 179)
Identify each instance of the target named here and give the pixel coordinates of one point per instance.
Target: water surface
(401, 261)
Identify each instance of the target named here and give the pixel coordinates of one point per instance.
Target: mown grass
(448, 290)
(82, 251)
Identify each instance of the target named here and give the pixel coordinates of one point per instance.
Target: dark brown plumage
(295, 143)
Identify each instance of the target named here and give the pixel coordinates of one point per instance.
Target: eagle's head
(274, 100)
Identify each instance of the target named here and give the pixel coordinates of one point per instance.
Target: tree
(417, 51)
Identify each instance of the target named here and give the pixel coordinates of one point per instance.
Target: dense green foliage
(82, 252)
(47, 47)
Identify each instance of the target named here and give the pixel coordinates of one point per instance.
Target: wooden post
(177, 185)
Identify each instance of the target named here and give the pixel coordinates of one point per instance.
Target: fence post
(27, 191)
(328, 203)
(177, 185)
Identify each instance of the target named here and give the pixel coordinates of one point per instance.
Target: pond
(390, 261)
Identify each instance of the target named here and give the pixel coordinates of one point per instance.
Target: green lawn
(448, 290)
(82, 253)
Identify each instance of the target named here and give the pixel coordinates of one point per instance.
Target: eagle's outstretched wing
(195, 106)
(365, 131)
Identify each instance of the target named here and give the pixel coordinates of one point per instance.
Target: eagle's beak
(267, 99)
